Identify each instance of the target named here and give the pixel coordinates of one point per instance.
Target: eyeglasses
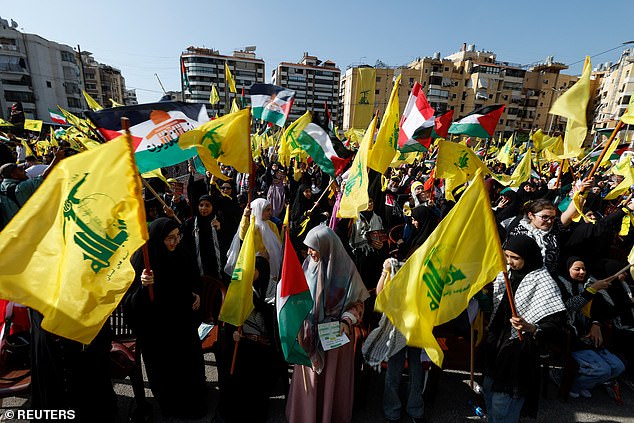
(546, 218)
(224, 188)
(174, 238)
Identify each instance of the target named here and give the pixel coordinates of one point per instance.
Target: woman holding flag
(511, 381)
(324, 392)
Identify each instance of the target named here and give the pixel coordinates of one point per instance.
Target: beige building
(467, 80)
(615, 85)
(206, 67)
(102, 82)
(315, 83)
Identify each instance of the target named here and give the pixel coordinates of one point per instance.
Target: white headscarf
(271, 242)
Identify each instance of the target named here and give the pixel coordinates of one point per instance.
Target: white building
(41, 74)
(315, 83)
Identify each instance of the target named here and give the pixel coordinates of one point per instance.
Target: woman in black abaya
(166, 326)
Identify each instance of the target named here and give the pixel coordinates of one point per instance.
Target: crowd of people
(566, 272)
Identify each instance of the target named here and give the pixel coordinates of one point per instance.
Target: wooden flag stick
(617, 128)
(509, 293)
(235, 351)
(158, 197)
(472, 356)
(125, 125)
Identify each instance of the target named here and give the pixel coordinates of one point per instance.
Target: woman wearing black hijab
(424, 221)
(303, 202)
(206, 238)
(511, 375)
(166, 327)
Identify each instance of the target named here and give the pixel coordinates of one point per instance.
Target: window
(545, 82)
(453, 96)
(67, 56)
(48, 84)
(377, 91)
(462, 108)
(24, 97)
(73, 102)
(378, 79)
(501, 121)
(426, 70)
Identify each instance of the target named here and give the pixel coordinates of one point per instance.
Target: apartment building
(315, 83)
(103, 82)
(205, 67)
(37, 72)
(615, 85)
(465, 81)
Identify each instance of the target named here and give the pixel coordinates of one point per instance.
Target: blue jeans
(391, 400)
(595, 367)
(501, 407)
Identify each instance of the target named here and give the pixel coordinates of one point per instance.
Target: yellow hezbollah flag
(363, 100)
(458, 164)
(628, 173)
(214, 98)
(505, 155)
(437, 281)
(74, 265)
(234, 106)
(355, 194)
(92, 103)
(224, 140)
(572, 105)
(384, 147)
(33, 125)
(27, 148)
(522, 172)
(238, 302)
(231, 83)
(288, 143)
(628, 116)
(609, 152)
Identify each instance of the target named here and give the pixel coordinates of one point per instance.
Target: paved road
(451, 403)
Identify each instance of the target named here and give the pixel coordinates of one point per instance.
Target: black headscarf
(213, 208)
(512, 209)
(525, 247)
(427, 222)
(301, 204)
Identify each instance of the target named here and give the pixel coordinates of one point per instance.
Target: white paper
(329, 336)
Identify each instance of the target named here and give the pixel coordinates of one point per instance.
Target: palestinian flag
(155, 129)
(329, 154)
(417, 122)
(293, 304)
(331, 125)
(57, 117)
(442, 125)
(271, 103)
(480, 123)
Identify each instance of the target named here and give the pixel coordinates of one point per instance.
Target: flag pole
(249, 198)
(125, 125)
(617, 128)
(158, 197)
(509, 293)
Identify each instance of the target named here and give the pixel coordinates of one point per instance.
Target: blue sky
(143, 38)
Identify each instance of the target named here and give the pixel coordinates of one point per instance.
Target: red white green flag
(294, 302)
(57, 117)
(417, 122)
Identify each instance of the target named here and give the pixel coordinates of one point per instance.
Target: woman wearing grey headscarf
(324, 392)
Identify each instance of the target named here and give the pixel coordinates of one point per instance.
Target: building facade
(39, 73)
(103, 82)
(204, 68)
(466, 81)
(614, 91)
(315, 83)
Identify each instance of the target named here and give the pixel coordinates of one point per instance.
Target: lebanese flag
(480, 123)
(293, 304)
(57, 117)
(271, 103)
(417, 122)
